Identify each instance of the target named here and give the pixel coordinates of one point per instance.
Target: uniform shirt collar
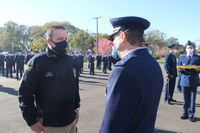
(132, 50)
(191, 55)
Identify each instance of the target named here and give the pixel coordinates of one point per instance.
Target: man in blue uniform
(91, 63)
(9, 62)
(98, 60)
(105, 63)
(135, 84)
(189, 81)
(171, 71)
(19, 60)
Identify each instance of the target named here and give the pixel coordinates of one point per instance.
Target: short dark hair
(134, 37)
(49, 33)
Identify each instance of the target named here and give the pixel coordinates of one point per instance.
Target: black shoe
(179, 90)
(168, 102)
(192, 119)
(172, 100)
(184, 117)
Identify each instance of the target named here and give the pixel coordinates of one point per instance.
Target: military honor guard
(189, 80)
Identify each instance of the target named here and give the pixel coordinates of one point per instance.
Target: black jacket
(49, 81)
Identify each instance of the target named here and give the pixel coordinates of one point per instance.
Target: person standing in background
(171, 71)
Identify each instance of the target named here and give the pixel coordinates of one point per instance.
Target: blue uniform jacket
(170, 64)
(133, 93)
(189, 78)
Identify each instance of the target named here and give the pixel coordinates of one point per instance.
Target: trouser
(170, 84)
(178, 83)
(19, 71)
(9, 70)
(2, 69)
(66, 129)
(189, 97)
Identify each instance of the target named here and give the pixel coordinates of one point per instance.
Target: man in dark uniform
(51, 84)
(109, 62)
(82, 61)
(13, 62)
(91, 64)
(98, 59)
(189, 81)
(19, 60)
(171, 71)
(2, 57)
(135, 83)
(76, 63)
(9, 63)
(105, 63)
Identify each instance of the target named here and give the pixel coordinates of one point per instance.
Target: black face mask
(59, 48)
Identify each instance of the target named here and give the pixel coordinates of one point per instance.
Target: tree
(171, 41)
(103, 46)
(155, 39)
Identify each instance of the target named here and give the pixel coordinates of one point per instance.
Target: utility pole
(97, 32)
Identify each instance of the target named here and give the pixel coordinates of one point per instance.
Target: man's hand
(37, 127)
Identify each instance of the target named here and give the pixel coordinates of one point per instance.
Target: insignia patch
(49, 74)
(29, 68)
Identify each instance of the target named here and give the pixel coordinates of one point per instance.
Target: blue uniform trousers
(189, 97)
(170, 84)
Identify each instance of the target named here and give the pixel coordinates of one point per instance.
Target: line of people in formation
(13, 63)
(106, 59)
(188, 78)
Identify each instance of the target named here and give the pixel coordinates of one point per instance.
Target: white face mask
(189, 51)
(174, 51)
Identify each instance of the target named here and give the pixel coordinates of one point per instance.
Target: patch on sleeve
(29, 68)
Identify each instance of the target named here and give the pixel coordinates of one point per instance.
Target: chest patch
(49, 74)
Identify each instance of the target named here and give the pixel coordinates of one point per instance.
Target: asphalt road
(92, 92)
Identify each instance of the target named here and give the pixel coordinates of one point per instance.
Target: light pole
(97, 32)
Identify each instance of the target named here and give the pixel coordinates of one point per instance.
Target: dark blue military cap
(172, 46)
(190, 43)
(128, 23)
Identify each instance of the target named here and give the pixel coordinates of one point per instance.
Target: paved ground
(92, 90)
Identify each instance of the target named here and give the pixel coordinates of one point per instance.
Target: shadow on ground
(8, 90)
(165, 131)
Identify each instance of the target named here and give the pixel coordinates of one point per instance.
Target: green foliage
(156, 57)
(14, 37)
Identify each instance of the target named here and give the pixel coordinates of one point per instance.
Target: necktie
(189, 58)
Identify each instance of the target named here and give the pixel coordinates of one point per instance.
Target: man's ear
(123, 36)
(48, 42)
